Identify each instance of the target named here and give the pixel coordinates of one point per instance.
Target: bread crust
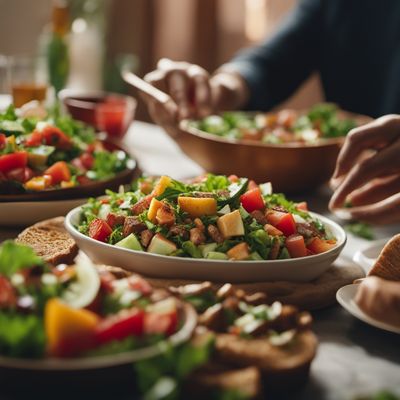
(387, 266)
(50, 240)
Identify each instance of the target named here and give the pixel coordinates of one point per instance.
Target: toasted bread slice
(245, 381)
(50, 240)
(280, 365)
(387, 266)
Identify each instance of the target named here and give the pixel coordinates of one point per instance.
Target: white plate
(189, 318)
(29, 212)
(345, 297)
(366, 257)
(157, 266)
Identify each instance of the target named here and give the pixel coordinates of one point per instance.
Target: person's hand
(367, 172)
(380, 299)
(194, 93)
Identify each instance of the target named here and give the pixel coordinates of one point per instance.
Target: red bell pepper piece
(252, 200)
(19, 159)
(99, 230)
(120, 326)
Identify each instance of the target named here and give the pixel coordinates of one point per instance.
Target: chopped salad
(77, 310)
(212, 217)
(287, 126)
(51, 151)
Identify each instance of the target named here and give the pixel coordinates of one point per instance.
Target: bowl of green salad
(295, 150)
(214, 227)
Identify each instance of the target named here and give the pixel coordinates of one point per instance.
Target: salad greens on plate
(48, 150)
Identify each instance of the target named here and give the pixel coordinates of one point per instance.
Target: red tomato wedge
(282, 221)
(303, 206)
(120, 326)
(317, 245)
(296, 246)
(3, 141)
(20, 174)
(99, 230)
(35, 139)
(8, 297)
(53, 136)
(162, 318)
(19, 159)
(252, 200)
(59, 172)
(87, 160)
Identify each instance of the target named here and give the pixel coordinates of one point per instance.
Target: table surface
(353, 358)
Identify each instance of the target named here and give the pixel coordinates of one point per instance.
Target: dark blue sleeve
(274, 69)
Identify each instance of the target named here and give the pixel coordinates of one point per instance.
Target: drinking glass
(28, 79)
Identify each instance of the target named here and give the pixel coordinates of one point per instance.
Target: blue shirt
(353, 44)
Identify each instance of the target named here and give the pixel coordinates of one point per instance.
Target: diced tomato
(120, 326)
(106, 280)
(99, 230)
(252, 200)
(8, 298)
(17, 174)
(113, 219)
(303, 206)
(59, 172)
(317, 245)
(19, 159)
(233, 178)
(136, 282)
(3, 141)
(162, 318)
(105, 200)
(35, 139)
(83, 180)
(296, 246)
(87, 160)
(252, 185)
(20, 174)
(282, 221)
(53, 136)
(77, 163)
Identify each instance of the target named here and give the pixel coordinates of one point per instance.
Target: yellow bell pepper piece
(68, 330)
(155, 205)
(198, 206)
(38, 183)
(67, 184)
(161, 185)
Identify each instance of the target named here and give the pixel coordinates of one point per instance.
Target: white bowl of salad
(218, 228)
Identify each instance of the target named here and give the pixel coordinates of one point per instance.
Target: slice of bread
(387, 266)
(50, 241)
(280, 365)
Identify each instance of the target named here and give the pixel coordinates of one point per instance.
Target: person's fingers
(377, 190)
(200, 84)
(386, 211)
(178, 84)
(383, 163)
(162, 114)
(375, 135)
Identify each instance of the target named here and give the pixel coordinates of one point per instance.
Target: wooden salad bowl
(93, 189)
(293, 167)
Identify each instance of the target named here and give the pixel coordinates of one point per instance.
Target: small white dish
(367, 256)
(29, 212)
(303, 269)
(345, 296)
